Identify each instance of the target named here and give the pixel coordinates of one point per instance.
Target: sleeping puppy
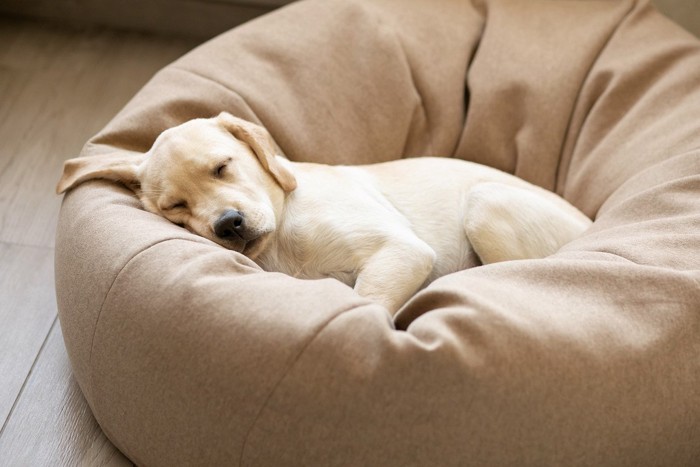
(385, 229)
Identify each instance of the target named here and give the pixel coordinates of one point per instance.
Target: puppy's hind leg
(503, 222)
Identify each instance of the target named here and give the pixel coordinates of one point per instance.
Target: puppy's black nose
(230, 224)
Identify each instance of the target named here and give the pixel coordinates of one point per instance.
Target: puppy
(385, 229)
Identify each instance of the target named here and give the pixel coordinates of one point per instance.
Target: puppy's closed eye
(220, 170)
(178, 205)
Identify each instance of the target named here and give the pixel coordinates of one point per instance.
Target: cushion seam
(206, 78)
(284, 375)
(220, 84)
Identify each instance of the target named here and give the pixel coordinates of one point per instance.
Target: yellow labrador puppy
(385, 229)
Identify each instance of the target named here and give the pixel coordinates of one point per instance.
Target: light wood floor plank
(27, 309)
(59, 87)
(52, 424)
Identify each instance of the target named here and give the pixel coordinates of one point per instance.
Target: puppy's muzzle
(232, 226)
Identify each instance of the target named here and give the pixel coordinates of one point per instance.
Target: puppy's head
(218, 177)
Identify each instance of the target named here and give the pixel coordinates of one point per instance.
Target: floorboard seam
(29, 375)
(26, 245)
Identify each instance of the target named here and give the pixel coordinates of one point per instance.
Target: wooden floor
(57, 88)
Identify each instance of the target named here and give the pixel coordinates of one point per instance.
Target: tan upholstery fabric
(191, 355)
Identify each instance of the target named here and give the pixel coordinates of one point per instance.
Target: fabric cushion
(190, 354)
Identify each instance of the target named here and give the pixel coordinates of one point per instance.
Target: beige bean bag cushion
(189, 354)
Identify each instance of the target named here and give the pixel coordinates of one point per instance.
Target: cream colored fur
(385, 229)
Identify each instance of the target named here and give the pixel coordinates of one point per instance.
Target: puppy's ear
(119, 166)
(260, 141)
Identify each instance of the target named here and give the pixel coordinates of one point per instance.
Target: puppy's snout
(230, 224)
